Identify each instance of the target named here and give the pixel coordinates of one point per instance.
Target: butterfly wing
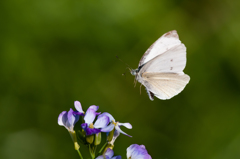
(164, 85)
(164, 43)
(161, 67)
(171, 61)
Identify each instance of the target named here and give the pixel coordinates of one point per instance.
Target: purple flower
(136, 151)
(68, 119)
(115, 125)
(109, 155)
(89, 117)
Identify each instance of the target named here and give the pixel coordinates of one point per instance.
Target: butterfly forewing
(164, 43)
(171, 61)
(165, 85)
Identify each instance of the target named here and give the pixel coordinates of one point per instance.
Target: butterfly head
(133, 72)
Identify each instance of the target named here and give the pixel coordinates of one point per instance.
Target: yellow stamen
(91, 126)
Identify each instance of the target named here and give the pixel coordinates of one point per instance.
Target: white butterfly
(161, 67)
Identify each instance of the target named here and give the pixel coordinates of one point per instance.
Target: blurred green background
(53, 52)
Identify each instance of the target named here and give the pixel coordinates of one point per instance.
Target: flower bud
(76, 146)
(110, 135)
(90, 139)
(97, 140)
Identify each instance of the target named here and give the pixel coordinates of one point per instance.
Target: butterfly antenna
(130, 69)
(124, 63)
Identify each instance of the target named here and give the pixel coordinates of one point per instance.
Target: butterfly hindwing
(165, 85)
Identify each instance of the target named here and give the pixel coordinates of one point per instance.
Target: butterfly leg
(135, 82)
(140, 88)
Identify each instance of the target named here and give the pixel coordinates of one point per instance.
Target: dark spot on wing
(171, 60)
(171, 68)
(170, 34)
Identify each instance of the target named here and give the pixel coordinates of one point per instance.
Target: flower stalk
(79, 153)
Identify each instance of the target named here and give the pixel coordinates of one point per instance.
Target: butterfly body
(161, 68)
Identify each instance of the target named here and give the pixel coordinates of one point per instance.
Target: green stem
(79, 154)
(102, 148)
(95, 148)
(91, 152)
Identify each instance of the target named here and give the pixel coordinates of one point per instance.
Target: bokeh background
(53, 52)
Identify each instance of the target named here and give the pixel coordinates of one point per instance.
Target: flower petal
(108, 128)
(142, 146)
(127, 125)
(94, 107)
(109, 115)
(118, 129)
(137, 152)
(88, 130)
(109, 152)
(115, 136)
(101, 122)
(103, 157)
(72, 119)
(84, 125)
(78, 113)
(117, 157)
(62, 118)
(130, 149)
(78, 106)
(90, 116)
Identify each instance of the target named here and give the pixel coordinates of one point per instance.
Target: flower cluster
(89, 131)
(104, 123)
